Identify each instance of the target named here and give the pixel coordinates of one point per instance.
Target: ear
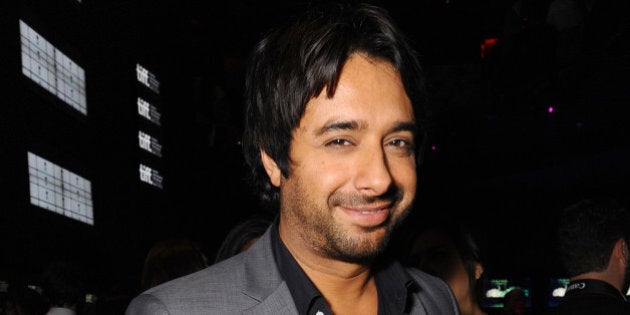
(620, 252)
(624, 250)
(272, 169)
(478, 270)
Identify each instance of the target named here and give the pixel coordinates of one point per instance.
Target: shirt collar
(394, 286)
(577, 287)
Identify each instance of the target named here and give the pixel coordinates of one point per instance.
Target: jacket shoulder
(432, 294)
(242, 282)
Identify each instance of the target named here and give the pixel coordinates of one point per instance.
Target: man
(332, 137)
(593, 247)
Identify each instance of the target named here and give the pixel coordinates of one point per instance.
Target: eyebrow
(406, 126)
(338, 125)
(354, 125)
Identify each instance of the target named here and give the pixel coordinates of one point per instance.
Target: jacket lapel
(264, 282)
(279, 302)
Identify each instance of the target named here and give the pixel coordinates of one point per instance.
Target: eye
(402, 145)
(399, 143)
(338, 142)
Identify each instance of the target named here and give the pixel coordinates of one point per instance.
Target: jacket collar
(267, 287)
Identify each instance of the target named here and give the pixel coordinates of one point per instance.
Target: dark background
(497, 161)
(502, 162)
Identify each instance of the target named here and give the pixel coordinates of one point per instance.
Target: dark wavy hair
(294, 63)
(438, 250)
(587, 232)
(240, 236)
(170, 259)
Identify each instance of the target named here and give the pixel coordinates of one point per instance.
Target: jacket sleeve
(433, 295)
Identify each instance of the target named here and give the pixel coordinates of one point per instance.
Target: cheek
(405, 175)
(321, 177)
(329, 174)
(459, 282)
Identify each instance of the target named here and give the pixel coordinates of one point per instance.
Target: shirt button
(319, 313)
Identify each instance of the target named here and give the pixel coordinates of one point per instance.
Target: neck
(348, 288)
(469, 307)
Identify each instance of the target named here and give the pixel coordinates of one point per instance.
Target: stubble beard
(316, 226)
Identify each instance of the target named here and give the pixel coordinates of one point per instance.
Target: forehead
(368, 91)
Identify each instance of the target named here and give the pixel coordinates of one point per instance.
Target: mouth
(368, 216)
(370, 211)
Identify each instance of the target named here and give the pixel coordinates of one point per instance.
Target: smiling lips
(368, 216)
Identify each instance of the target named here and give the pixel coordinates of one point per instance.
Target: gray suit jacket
(250, 283)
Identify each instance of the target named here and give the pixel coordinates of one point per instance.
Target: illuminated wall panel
(60, 190)
(51, 69)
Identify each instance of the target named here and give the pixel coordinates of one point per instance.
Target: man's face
(353, 170)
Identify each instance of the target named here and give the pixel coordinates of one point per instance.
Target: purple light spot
(550, 109)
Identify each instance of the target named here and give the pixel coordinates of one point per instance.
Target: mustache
(391, 196)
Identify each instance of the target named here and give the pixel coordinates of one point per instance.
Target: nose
(373, 176)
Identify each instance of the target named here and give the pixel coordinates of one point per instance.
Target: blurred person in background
(25, 299)
(450, 252)
(242, 236)
(170, 259)
(592, 242)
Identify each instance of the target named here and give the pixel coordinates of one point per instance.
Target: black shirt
(591, 297)
(392, 282)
